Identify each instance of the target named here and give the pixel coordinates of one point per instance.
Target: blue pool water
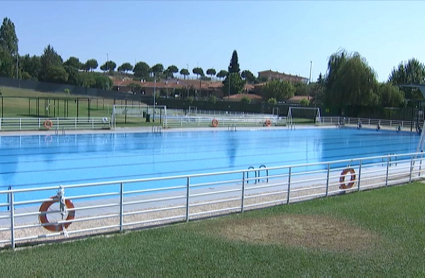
(34, 161)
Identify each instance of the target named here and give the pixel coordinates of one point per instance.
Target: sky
(286, 36)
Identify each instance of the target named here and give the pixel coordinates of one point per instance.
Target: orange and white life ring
(268, 123)
(56, 227)
(214, 123)
(352, 173)
(48, 124)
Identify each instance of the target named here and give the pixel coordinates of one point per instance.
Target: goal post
(305, 115)
(138, 113)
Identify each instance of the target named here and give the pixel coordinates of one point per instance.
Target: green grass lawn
(377, 233)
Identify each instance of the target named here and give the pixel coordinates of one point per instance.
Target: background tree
(87, 80)
(198, 71)
(390, 95)
(101, 81)
(172, 70)
(246, 100)
(73, 62)
(184, 72)
(135, 87)
(74, 76)
(30, 67)
(6, 64)
(304, 102)
(8, 48)
(279, 90)
(110, 66)
(349, 81)
(90, 65)
(301, 89)
(412, 72)
(56, 74)
(8, 39)
(222, 74)
(157, 69)
(234, 63)
(48, 60)
(125, 67)
(272, 101)
(141, 70)
(236, 84)
(211, 72)
(248, 76)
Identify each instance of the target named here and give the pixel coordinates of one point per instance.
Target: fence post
(411, 168)
(8, 197)
(187, 198)
(327, 179)
(388, 166)
(12, 220)
(243, 192)
(289, 185)
(121, 207)
(360, 174)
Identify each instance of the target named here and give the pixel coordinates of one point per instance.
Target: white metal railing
(393, 124)
(15, 124)
(119, 205)
(198, 121)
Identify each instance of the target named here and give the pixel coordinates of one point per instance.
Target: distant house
(274, 75)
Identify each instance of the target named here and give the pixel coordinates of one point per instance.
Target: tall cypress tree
(234, 63)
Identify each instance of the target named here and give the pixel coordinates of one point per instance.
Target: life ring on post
(268, 123)
(214, 122)
(56, 227)
(48, 124)
(352, 173)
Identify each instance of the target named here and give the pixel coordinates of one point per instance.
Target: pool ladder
(258, 173)
(157, 129)
(231, 127)
(62, 131)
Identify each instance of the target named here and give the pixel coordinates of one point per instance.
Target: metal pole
(243, 192)
(107, 60)
(121, 207)
(289, 185)
(12, 220)
(187, 198)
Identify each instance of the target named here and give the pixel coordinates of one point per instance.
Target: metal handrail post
(187, 198)
(388, 168)
(327, 179)
(243, 192)
(289, 185)
(12, 220)
(360, 175)
(121, 207)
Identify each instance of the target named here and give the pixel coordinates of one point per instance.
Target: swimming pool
(38, 160)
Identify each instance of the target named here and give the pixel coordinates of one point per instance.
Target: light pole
(309, 79)
(107, 59)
